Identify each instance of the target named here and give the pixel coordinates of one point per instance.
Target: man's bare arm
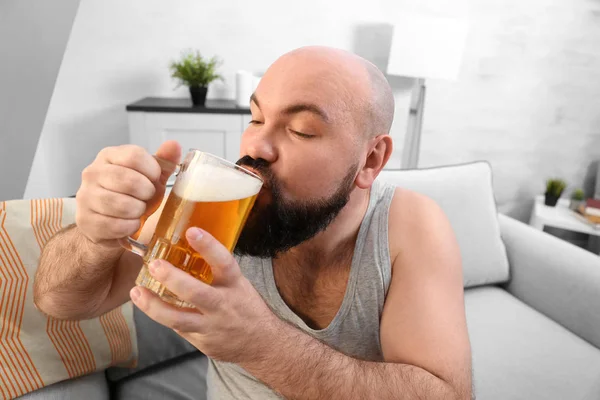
(78, 279)
(300, 367)
(423, 321)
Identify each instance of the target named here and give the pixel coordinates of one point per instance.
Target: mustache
(259, 165)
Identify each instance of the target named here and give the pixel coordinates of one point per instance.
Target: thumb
(224, 267)
(168, 156)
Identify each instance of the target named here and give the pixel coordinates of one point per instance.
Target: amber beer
(216, 198)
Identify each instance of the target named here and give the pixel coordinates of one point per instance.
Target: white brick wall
(528, 98)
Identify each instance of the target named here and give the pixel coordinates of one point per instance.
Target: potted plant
(554, 189)
(196, 72)
(577, 198)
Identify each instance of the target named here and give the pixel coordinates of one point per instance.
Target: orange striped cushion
(35, 350)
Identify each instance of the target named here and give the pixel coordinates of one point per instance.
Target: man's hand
(123, 185)
(231, 321)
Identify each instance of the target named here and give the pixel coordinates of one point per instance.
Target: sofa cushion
(88, 387)
(518, 353)
(465, 194)
(36, 351)
(157, 344)
(183, 378)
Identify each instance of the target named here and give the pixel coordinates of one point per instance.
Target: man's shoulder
(414, 220)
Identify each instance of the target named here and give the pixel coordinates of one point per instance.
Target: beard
(280, 225)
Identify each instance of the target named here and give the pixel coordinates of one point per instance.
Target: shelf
(184, 105)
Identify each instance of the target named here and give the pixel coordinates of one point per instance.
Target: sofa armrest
(555, 277)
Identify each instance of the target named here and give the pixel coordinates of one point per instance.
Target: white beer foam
(206, 182)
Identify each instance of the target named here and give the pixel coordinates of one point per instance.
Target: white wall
(33, 37)
(119, 52)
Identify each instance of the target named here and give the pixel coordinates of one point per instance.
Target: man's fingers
(113, 204)
(125, 181)
(185, 286)
(179, 319)
(224, 267)
(134, 157)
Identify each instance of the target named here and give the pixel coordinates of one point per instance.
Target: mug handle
(130, 242)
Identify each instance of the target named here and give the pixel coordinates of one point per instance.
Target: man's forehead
(291, 106)
(287, 88)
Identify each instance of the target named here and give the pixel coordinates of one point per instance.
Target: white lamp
(424, 46)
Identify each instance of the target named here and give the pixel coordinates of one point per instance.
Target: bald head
(379, 109)
(358, 89)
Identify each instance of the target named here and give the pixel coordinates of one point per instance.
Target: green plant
(195, 71)
(555, 187)
(578, 195)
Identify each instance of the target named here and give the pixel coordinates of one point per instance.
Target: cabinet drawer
(218, 134)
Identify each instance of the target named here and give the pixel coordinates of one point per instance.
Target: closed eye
(299, 134)
(302, 135)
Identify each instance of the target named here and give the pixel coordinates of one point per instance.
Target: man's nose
(260, 145)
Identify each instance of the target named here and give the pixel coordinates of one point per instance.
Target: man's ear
(380, 150)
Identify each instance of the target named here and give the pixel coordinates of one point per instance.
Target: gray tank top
(355, 328)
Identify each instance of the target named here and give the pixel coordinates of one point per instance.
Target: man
(343, 288)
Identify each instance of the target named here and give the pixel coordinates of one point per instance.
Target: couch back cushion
(35, 350)
(465, 194)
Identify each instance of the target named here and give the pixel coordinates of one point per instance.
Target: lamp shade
(426, 46)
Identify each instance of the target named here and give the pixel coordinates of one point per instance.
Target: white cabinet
(216, 128)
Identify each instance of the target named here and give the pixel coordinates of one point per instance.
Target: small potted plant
(577, 198)
(554, 189)
(195, 72)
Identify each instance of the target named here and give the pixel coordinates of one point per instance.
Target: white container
(244, 87)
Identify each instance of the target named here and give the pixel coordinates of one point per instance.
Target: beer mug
(210, 193)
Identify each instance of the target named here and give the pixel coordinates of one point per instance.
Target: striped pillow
(36, 351)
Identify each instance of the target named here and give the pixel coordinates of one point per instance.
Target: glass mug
(210, 193)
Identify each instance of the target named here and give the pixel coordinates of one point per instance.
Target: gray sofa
(532, 303)
(537, 336)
